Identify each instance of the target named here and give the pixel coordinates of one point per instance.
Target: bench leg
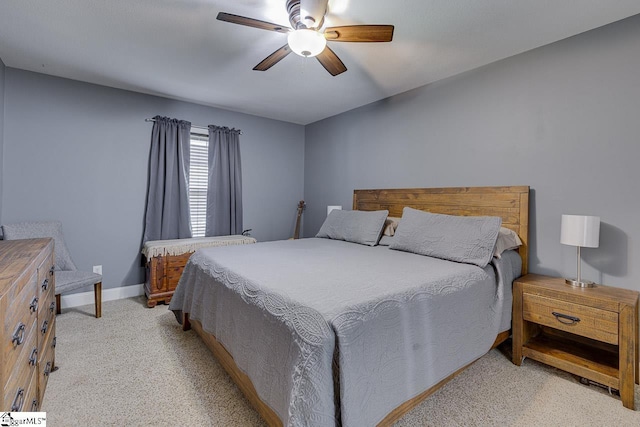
(58, 310)
(97, 289)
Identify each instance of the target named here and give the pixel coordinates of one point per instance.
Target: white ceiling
(177, 49)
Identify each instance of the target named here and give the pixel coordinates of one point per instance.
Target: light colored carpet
(136, 367)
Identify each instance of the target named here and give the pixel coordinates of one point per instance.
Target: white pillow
(507, 239)
(390, 225)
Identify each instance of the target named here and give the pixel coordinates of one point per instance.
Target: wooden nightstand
(589, 332)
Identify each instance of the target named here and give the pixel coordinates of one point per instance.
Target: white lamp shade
(330, 208)
(580, 230)
(306, 42)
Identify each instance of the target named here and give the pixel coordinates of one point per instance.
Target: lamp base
(579, 284)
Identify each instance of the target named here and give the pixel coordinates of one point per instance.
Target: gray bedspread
(336, 333)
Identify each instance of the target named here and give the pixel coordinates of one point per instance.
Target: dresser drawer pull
(33, 307)
(47, 369)
(568, 320)
(18, 335)
(53, 267)
(45, 284)
(52, 306)
(18, 401)
(34, 405)
(53, 344)
(45, 325)
(34, 357)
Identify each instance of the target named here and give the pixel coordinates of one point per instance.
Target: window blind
(198, 183)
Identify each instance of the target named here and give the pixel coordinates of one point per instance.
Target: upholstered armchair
(67, 275)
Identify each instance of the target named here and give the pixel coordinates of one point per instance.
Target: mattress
(336, 333)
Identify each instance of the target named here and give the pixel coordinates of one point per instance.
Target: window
(198, 180)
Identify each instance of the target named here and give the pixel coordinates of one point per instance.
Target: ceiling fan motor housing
(306, 13)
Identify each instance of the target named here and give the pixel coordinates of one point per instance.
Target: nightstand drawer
(595, 323)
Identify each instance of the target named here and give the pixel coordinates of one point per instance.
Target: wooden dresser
(27, 331)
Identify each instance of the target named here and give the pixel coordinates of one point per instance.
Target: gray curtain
(167, 212)
(224, 197)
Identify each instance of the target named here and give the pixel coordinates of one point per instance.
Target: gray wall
(2, 73)
(564, 119)
(79, 153)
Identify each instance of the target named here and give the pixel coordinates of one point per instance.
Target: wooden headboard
(509, 203)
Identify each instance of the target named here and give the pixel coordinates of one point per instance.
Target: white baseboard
(85, 298)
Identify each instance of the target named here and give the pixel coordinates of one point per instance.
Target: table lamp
(583, 232)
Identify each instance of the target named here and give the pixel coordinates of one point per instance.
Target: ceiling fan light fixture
(306, 42)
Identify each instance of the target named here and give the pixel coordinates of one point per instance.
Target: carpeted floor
(135, 367)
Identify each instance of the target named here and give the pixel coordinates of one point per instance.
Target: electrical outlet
(97, 269)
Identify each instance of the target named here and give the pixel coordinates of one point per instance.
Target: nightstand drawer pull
(570, 320)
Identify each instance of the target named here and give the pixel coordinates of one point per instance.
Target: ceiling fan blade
(273, 59)
(250, 22)
(331, 62)
(360, 33)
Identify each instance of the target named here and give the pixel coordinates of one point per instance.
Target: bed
(327, 332)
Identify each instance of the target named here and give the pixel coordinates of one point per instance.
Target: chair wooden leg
(58, 304)
(97, 289)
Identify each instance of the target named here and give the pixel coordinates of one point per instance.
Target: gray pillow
(364, 227)
(468, 239)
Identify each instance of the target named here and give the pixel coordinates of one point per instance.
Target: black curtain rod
(193, 126)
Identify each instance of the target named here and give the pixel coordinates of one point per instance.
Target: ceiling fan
(306, 38)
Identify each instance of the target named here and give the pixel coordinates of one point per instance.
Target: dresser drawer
(45, 275)
(18, 358)
(47, 341)
(22, 308)
(46, 361)
(45, 367)
(32, 400)
(23, 396)
(15, 390)
(14, 353)
(47, 308)
(590, 322)
(45, 328)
